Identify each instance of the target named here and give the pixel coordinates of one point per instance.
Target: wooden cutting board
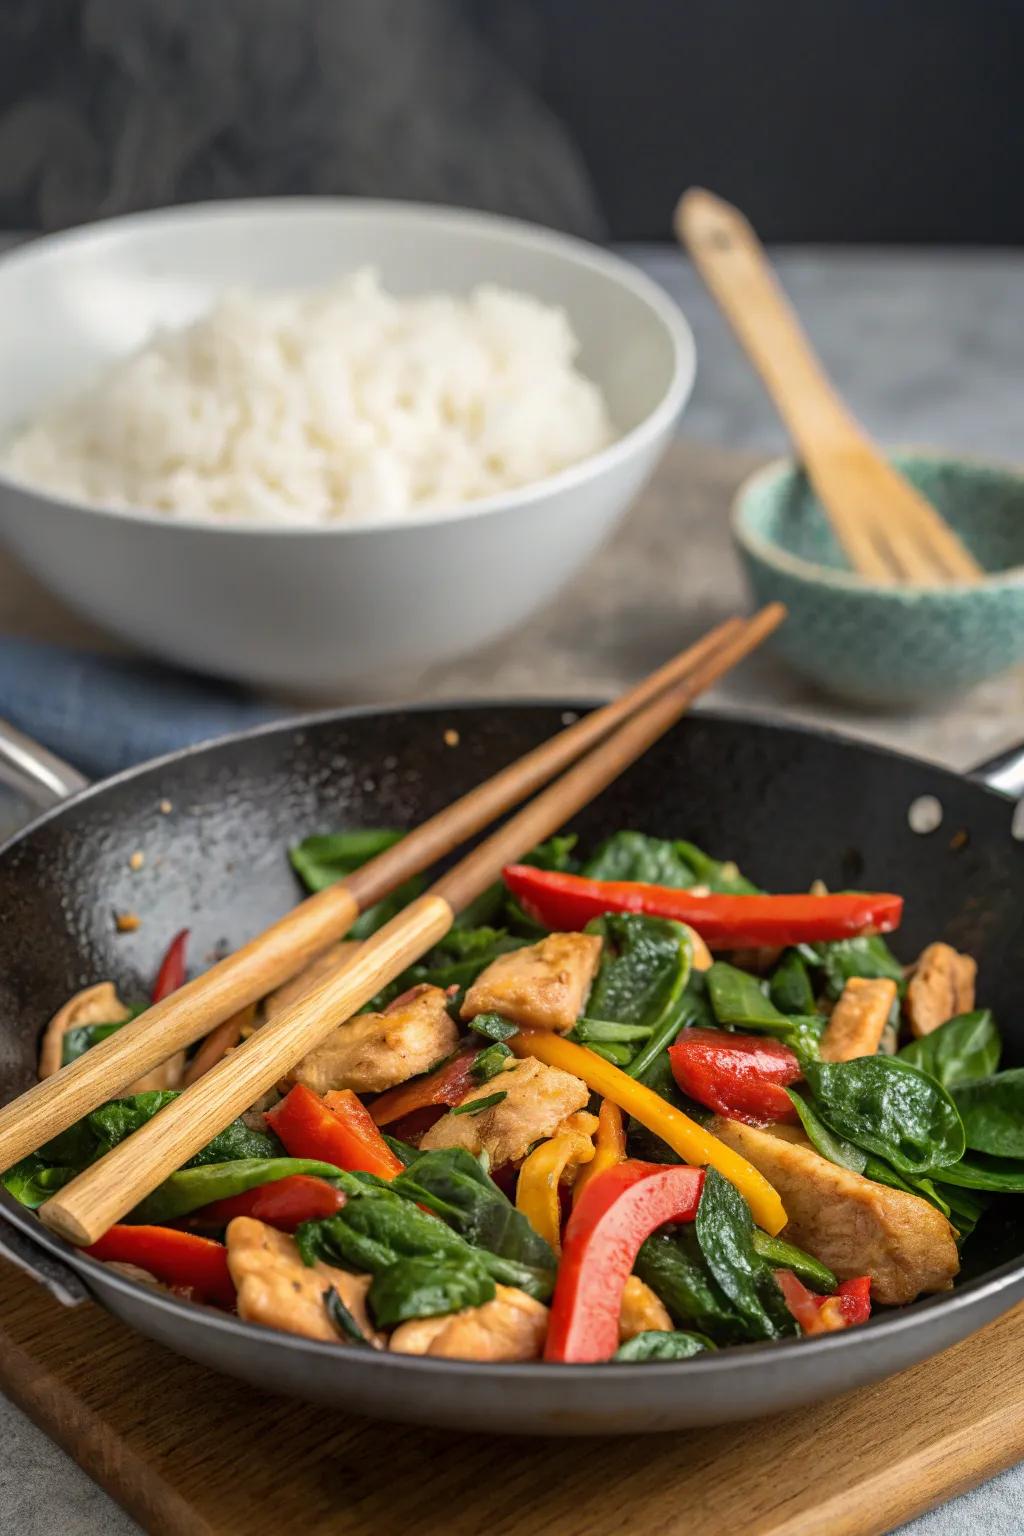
(189, 1453)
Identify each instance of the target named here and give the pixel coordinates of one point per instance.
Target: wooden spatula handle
(732, 261)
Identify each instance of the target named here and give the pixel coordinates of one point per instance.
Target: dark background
(828, 120)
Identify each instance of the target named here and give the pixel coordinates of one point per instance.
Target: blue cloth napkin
(104, 713)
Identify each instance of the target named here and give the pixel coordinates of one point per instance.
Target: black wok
(788, 804)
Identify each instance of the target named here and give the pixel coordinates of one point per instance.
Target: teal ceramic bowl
(889, 645)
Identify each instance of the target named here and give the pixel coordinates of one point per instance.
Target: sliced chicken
(543, 986)
(537, 1100)
(374, 1051)
(102, 1005)
(641, 1311)
(942, 985)
(277, 1289)
(859, 1019)
(317, 970)
(511, 1327)
(851, 1224)
(95, 1005)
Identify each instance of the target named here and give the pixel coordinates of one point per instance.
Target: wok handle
(1004, 772)
(38, 775)
(57, 1278)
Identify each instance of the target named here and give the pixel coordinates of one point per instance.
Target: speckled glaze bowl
(889, 645)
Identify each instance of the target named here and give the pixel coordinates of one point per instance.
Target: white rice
(339, 405)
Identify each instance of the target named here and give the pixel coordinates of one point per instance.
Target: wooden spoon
(888, 530)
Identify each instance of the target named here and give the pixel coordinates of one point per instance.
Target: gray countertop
(924, 346)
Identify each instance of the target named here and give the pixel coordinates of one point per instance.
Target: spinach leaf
(780, 1255)
(740, 1002)
(662, 1345)
(32, 1181)
(889, 1108)
(992, 1110)
(480, 1106)
(719, 875)
(635, 856)
(645, 963)
(658, 861)
(1001, 1175)
(193, 1187)
(235, 1142)
(605, 1032)
(424, 1287)
(490, 1062)
(344, 1323)
(835, 1148)
(452, 1184)
(618, 1055)
(493, 1027)
(790, 987)
(321, 860)
(107, 1127)
(77, 1041)
(725, 1232)
(672, 1264)
(118, 1118)
(841, 959)
(378, 1227)
(554, 853)
(960, 1051)
(405, 1153)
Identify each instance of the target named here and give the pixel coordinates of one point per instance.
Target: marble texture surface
(922, 345)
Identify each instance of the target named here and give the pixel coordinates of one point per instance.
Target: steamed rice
(340, 405)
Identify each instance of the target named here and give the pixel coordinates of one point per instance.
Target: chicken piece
(537, 1100)
(374, 1051)
(543, 986)
(511, 1327)
(101, 1005)
(641, 1311)
(316, 971)
(942, 985)
(277, 1289)
(851, 1224)
(95, 1005)
(702, 957)
(858, 1020)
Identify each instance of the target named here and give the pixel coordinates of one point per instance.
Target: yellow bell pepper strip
(693, 1144)
(609, 1146)
(539, 1178)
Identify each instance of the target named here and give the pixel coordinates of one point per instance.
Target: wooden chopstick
(100, 1196)
(287, 946)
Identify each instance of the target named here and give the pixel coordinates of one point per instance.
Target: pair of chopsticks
(599, 747)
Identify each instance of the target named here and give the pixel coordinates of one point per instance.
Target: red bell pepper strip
(849, 1305)
(284, 1204)
(615, 1213)
(569, 902)
(448, 1085)
(739, 1076)
(171, 974)
(336, 1130)
(179, 1259)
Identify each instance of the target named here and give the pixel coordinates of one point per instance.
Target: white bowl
(322, 609)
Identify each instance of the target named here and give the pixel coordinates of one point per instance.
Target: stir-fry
(630, 1108)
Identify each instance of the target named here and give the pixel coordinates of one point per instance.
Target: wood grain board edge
(111, 1460)
(189, 1453)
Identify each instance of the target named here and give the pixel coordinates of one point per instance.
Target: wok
(788, 804)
